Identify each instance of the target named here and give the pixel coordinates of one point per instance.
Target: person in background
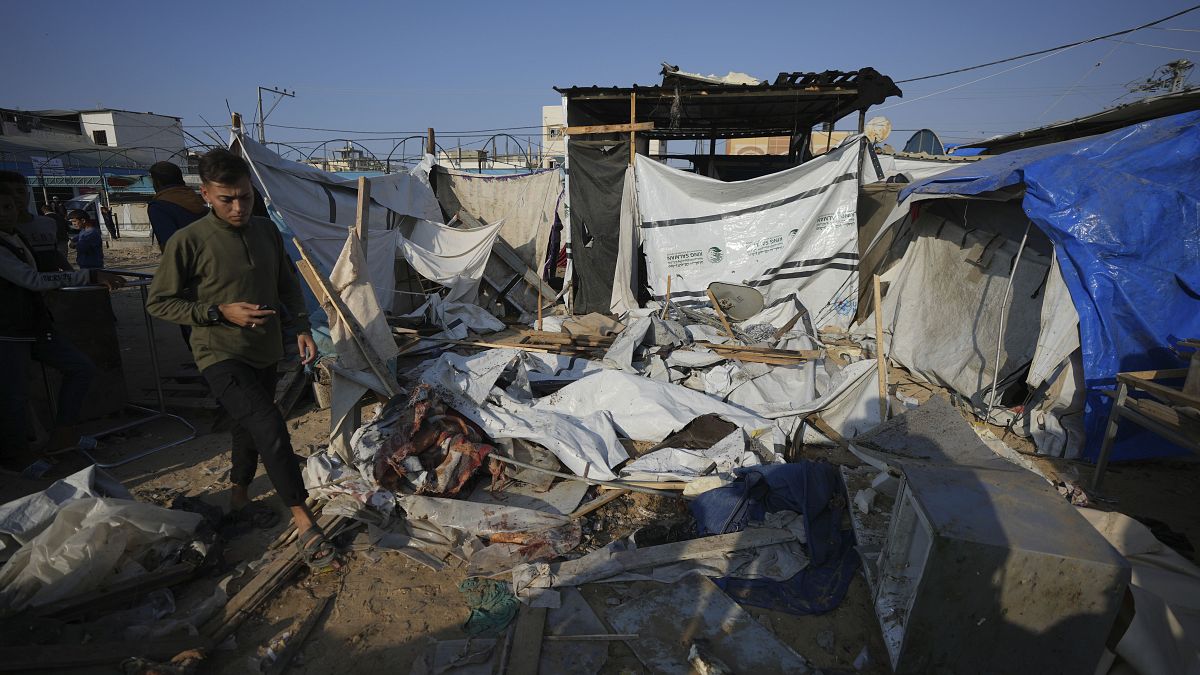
(62, 229)
(110, 221)
(40, 232)
(228, 276)
(89, 247)
(27, 334)
(175, 205)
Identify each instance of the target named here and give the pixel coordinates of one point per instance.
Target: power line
(1052, 49)
(440, 133)
(1143, 44)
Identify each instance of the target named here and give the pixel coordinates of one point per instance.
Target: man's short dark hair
(222, 166)
(76, 213)
(166, 174)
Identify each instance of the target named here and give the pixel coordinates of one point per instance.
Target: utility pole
(262, 115)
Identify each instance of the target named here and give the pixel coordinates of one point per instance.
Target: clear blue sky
(393, 66)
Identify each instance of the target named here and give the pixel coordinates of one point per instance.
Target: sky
(372, 71)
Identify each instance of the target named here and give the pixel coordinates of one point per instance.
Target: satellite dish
(877, 129)
(738, 302)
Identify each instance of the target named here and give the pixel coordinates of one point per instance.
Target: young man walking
(228, 277)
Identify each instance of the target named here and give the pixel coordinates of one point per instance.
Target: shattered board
(561, 499)
(574, 617)
(691, 609)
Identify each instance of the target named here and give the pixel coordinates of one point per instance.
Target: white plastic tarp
(587, 444)
(318, 207)
(792, 234)
(525, 202)
(22, 519)
(90, 542)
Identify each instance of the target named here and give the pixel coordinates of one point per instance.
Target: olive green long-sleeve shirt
(211, 262)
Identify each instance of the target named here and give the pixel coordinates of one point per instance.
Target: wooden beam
(811, 92)
(597, 503)
(527, 641)
(63, 657)
(632, 124)
(311, 275)
(717, 307)
(1162, 391)
(608, 129)
(297, 641)
(879, 357)
(587, 569)
(431, 143)
(360, 216)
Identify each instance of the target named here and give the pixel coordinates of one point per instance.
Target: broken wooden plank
(608, 129)
(591, 638)
(527, 641)
(118, 592)
(297, 641)
(593, 567)
(62, 657)
(597, 503)
(309, 271)
(720, 313)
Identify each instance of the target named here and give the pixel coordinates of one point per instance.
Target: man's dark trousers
(259, 430)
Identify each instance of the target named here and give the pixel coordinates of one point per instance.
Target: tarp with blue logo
(1123, 212)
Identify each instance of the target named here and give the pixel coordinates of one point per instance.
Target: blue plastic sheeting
(1123, 212)
(811, 488)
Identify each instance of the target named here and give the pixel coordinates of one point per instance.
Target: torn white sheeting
(587, 444)
(646, 410)
(449, 315)
(453, 257)
(481, 520)
(22, 519)
(90, 542)
(351, 283)
(791, 233)
(1059, 335)
(649, 330)
(625, 278)
(1164, 635)
(527, 204)
(729, 453)
(946, 296)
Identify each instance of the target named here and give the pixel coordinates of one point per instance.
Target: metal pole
(262, 137)
(162, 402)
(1003, 316)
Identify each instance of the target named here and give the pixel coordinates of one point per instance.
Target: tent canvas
(1122, 210)
(791, 234)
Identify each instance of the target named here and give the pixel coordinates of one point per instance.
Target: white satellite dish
(737, 302)
(877, 129)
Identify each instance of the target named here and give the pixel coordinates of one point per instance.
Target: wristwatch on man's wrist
(214, 314)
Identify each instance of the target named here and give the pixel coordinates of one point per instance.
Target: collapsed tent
(790, 234)
(403, 219)
(528, 204)
(1117, 226)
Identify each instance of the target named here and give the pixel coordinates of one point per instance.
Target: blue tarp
(811, 488)
(1123, 212)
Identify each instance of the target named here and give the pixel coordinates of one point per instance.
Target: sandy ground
(387, 609)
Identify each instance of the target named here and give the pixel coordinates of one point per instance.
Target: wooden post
(879, 357)
(539, 323)
(431, 143)
(237, 121)
(666, 300)
(360, 218)
(717, 306)
(632, 121)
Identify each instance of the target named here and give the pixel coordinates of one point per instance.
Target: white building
(158, 136)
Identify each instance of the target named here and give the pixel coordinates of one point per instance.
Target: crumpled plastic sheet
(734, 451)
(514, 535)
(22, 519)
(90, 542)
